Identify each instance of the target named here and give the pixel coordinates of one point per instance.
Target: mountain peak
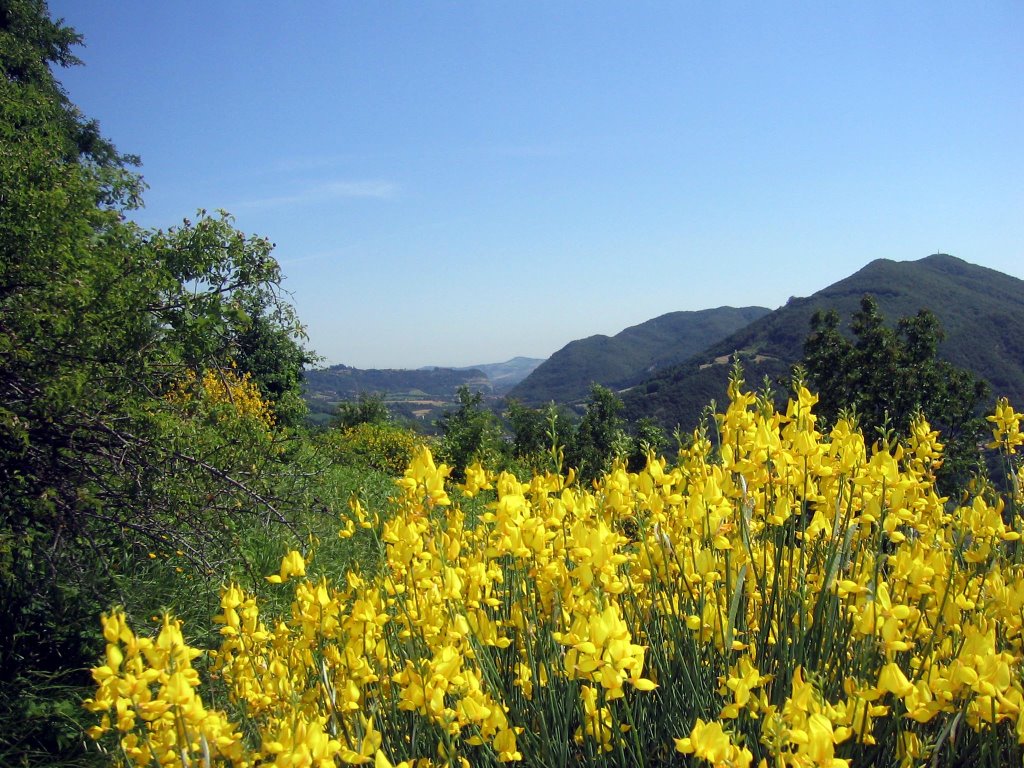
(981, 311)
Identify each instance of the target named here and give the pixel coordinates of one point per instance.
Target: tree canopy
(889, 375)
(147, 377)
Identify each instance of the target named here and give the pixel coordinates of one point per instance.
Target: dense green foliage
(365, 409)
(470, 433)
(265, 346)
(630, 355)
(530, 428)
(546, 439)
(376, 445)
(538, 434)
(888, 376)
(600, 437)
(110, 448)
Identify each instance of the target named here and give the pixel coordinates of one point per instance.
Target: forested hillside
(340, 382)
(631, 355)
(981, 312)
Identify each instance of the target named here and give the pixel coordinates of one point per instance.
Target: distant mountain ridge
(630, 355)
(344, 382)
(414, 393)
(981, 311)
(504, 376)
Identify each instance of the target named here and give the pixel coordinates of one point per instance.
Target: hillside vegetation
(342, 382)
(981, 311)
(631, 355)
(413, 394)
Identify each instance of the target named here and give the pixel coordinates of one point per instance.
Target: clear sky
(455, 183)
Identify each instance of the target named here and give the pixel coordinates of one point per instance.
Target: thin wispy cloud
(325, 192)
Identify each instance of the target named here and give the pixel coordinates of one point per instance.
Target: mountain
(981, 311)
(342, 382)
(418, 394)
(504, 376)
(631, 355)
(421, 394)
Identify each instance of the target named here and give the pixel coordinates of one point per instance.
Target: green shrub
(383, 447)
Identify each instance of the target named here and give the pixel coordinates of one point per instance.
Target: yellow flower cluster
(786, 596)
(224, 387)
(1006, 433)
(150, 688)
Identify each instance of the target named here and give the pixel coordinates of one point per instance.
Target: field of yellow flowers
(789, 598)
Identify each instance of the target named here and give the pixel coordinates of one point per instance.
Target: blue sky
(459, 183)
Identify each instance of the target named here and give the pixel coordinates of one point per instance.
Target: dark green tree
(267, 345)
(470, 433)
(31, 44)
(648, 437)
(888, 375)
(600, 437)
(365, 409)
(529, 429)
(536, 432)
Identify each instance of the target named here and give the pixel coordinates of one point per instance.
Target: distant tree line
(525, 438)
